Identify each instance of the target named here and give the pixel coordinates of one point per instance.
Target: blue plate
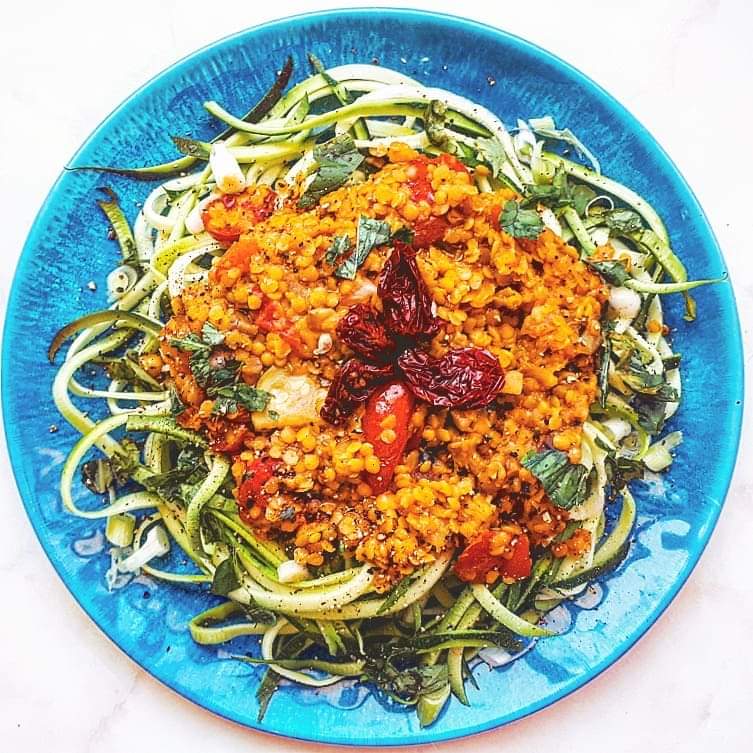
(68, 246)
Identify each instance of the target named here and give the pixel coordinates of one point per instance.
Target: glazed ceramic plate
(68, 246)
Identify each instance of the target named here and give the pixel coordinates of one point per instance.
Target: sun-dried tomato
(405, 298)
(429, 231)
(462, 378)
(353, 383)
(362, 330)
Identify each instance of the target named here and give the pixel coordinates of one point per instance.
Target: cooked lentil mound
(532, 304)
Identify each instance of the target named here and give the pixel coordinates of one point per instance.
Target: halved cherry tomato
(391, 399)
(228, 217)
(270, 318)
(258, 472)
(476, 561)
(429, 231)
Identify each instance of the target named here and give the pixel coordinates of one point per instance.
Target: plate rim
(736, 388)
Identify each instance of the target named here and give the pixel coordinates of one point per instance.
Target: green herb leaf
(190, 343)
(565, 483)
(370, 233)
(189, 470)
(493, 154)
(177, 406)
(338, 159)
(581, 196)
(340, 245)
(613, 272)
(228, 399)
(650, 413)
(211, 335)
(404, 235)
(520, 223)
(622, 221)
(225, 578)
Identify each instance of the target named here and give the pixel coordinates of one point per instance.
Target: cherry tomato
(270, 318)
(476, 561)
(228, 217)
(391, 399)
(418, 180)
(258, 472)
(428, 232)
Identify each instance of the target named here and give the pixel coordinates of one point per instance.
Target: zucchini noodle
(319, 623)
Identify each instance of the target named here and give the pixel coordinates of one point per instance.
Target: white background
(684, 69)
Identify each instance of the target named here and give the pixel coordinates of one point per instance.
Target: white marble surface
(683, 68)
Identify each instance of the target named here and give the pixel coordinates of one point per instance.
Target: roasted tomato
(258, 472)
(429, 231)
(228, 217)
(391, 400)
(477, 561)
(270, 318)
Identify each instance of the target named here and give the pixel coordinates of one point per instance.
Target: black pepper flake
(145, 595)
(53, 428)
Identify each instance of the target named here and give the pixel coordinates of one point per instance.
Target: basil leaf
(338, 159)
(565, 483)
(491, 152)
(581, 196)
(228, 399)
(340, 246)
(650, 413)
(370, 233)
(211, 335)
(623, 221)
(404, 235)
(520, 223)
(225, 578)
(191, 343)
(614, 272)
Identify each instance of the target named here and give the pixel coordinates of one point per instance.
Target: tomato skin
(429, 231)
(452, 162)
(258, 472)
(419, 184)
(476, 560)
(391, 399)
(271, 319)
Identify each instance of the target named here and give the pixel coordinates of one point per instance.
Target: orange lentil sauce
(532, 304)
